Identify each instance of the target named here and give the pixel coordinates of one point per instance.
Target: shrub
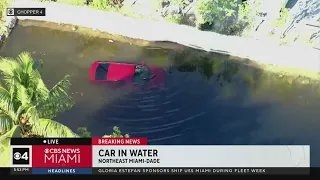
(281, 21)
(46, 0)
(100, 4)
(181, 3)
(116, 133)
(176, 18)
(84, 133)
(246, 18)
(215, 10)
(106, 4)
(228, 17)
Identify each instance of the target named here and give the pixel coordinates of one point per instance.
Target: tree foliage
(106, 4)
(216, 10)
(24, 98)
(3, 5)
(116, 134)
(84, 133)
(5, 158)
(27, 105)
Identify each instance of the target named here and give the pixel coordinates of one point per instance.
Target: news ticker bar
(26, 11)
(161, 171)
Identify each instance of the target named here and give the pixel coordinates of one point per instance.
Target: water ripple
(158, 113)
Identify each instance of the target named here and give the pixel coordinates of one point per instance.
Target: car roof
(118, 71)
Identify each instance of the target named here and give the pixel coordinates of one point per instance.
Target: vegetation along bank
(283, 33)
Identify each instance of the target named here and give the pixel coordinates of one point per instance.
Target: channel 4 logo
(20, 156)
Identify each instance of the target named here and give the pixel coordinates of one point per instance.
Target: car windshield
(142, 72)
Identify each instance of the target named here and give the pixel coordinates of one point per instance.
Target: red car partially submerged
(153, 76)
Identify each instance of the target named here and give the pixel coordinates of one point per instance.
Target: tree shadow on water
(229, 83)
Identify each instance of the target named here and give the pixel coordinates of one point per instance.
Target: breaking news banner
(26, 11)
(121, 156)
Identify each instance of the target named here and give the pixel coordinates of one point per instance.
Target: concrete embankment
(113, 23)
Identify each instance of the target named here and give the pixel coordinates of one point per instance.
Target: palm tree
(16, 131)
(27, 102)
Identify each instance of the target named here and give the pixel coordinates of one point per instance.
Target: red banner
(74, 156)
(119, 141)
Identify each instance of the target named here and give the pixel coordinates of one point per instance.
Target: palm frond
(6, 105)
(33, 116)
(14, 77)
(52, 129)
(58, 100)
(17, 132)
(21, 72)
(22, 109)
(7, 66)
(6, 123)
(62, 86)
(42, 92)
(26, 61)
(22, 95)
(25, 70)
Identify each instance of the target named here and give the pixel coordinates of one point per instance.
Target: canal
(208, 98)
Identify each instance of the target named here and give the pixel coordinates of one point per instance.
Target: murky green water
(209, 99)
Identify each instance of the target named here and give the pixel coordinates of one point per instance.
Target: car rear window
(101, 72)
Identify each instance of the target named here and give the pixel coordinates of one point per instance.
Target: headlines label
(62, 171)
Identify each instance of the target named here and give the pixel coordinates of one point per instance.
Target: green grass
(178, 19)
(283, 18)
(4, 4)
(72, 2)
